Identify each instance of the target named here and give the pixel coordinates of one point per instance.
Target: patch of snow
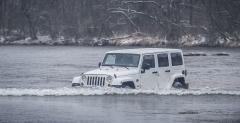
(221, 41)
(44, 38)
(41, 39)
(190, 40)
(135, 39)
(1, 39)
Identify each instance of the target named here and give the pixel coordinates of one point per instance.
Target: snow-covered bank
(136, 39)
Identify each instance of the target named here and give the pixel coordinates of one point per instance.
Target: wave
(108, 91)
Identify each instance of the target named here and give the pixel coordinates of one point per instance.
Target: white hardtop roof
(145, 50)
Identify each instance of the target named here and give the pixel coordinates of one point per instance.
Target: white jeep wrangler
(145, 68)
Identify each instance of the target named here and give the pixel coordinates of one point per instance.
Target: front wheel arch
(128, 84)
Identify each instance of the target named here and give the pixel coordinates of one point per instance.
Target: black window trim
(172, 60)
(147, 55)
(121, 53)
(167, 58)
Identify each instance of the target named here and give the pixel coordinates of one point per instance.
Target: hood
(119, 71)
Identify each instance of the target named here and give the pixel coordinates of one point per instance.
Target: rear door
(149, 78)
(163, 69)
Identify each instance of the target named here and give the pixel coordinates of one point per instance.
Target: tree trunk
(191, 12)
(32, 28)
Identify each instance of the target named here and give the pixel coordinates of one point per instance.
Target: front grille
(95, 81)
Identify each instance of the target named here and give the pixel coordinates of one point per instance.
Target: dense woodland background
(82, 19)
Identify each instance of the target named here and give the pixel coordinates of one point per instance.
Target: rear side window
(163, 60)
(149, 59)
(176, 59)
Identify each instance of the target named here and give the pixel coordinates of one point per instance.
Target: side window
(163, 60)
(176, 59)
(149, 59)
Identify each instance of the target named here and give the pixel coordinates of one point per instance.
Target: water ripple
(65, 91)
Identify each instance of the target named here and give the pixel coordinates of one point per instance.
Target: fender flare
(184, 84)
(129, 84)
(120, 80)
(173, 77)
(76, 79)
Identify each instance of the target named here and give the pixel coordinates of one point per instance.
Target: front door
(164, 71)
(149, 77)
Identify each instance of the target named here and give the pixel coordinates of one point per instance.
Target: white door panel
(150, 77)
(164, 70)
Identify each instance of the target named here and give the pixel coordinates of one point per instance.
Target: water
(35, 86)
(121, 109)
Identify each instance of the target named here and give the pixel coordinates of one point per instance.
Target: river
(35, 86)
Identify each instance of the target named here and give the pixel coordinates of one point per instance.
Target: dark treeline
(77, 19)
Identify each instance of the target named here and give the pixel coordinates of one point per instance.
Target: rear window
(163, 60)
(176, 59)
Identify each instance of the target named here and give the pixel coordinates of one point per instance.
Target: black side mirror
(146, 66)
(99, 64)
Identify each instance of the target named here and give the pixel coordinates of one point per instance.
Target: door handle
(154, 72)
(167, 71)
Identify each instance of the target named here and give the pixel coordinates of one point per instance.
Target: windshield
(121, 59)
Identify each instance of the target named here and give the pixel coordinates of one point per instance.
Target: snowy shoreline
(137, 39)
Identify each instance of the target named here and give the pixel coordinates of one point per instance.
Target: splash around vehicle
(145, 68)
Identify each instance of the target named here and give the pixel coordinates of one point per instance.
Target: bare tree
(74, 19)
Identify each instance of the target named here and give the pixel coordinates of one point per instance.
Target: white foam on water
(65, 91)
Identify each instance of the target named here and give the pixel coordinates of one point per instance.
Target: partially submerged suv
(145, 68)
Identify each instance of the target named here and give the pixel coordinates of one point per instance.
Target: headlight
(109, 78)
(84, 78)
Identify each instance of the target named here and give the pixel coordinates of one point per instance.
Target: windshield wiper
(117, 66)
(111, 66)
